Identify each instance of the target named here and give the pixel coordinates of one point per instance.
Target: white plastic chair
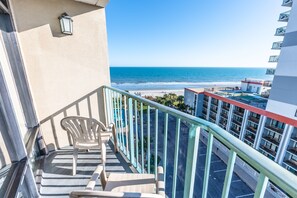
(88, 133)
(124, 185)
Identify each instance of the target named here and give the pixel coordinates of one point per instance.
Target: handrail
(33, 132)
(277, 174)
(14, 178)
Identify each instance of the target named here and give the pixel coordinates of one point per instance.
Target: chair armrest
(92, 182)
(160, 181)
(109, 194)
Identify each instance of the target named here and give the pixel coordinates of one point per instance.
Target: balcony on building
(284, 17)
(254, 117)
(249, 139)
(267, 151)
(214, 102)
(273, 59)
(224, 115)
(277, 45)
(281, 31)
(287, 3)
(235, 130)
(270, 71)
(205, 104)
(238, 111)
(274, 128)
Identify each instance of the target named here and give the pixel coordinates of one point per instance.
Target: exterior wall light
(66, 24)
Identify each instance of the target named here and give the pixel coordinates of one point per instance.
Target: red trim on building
(263, 112)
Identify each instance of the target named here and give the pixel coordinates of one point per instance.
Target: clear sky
(192, 32)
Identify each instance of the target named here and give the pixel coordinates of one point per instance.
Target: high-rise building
(283, 96)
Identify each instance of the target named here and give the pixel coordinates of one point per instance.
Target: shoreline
(158, 92)
(180, 91)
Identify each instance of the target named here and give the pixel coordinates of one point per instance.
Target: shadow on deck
(56, 178)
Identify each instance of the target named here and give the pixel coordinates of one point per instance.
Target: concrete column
(243, 124)
(283, 145)
(230, 113)
(219, 112)
(260, 131)
(208, 108)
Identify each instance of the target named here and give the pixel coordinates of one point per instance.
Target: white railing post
(131, 135)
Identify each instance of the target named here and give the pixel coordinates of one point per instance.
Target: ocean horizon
(173, 78)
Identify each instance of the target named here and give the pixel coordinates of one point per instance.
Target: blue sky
(192, 32)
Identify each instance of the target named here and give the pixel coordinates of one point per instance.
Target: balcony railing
(287, 3)
(284, 17)
(254, 119)
(134, 109)
(145, 132)
(273, 59)
(281, 31)
(277, 45)
(270, 71)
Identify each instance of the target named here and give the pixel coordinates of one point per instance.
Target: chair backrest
(83, 129)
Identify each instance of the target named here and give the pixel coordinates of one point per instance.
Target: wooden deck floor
(56, 175)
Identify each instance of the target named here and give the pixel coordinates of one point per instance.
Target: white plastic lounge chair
(88, 133)
(124, 185)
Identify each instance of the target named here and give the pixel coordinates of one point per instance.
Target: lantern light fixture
(66, 24)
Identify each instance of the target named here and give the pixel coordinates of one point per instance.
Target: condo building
(62, 131)
(261, 114)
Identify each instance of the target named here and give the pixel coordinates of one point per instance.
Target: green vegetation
(172, 100)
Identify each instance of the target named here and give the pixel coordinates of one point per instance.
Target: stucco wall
(61, 68)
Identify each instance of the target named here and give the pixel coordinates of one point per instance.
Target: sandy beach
(155, 93)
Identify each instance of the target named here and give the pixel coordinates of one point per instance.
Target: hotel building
(267, 125)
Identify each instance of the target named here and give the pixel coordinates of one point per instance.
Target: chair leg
(103, 154)
(75, 153)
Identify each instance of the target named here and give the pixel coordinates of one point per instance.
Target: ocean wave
(172, 85)
(178, 83)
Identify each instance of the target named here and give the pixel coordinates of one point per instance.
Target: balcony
(226, 108)
(273, 59)
(287, 3)
(284, 17)
(276, 45)
(225, 116)
(268, 151)
(272, 140)
(238, 113)
(251, 129)
(254, 119)
(292, 164)
(281, 31)
(173, 139)
(249, 138)
(270, 71)
(274, 129)
(236, 122)
(293, 151)
(205, 105)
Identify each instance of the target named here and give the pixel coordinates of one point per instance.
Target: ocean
(167, 78)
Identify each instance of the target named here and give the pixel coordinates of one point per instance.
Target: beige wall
(61, 68)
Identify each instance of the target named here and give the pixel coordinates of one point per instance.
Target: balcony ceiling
(99, 3)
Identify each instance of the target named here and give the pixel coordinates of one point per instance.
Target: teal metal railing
(131, 113)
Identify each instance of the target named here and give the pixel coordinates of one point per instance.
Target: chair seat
(142, 183)
(105, 136)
